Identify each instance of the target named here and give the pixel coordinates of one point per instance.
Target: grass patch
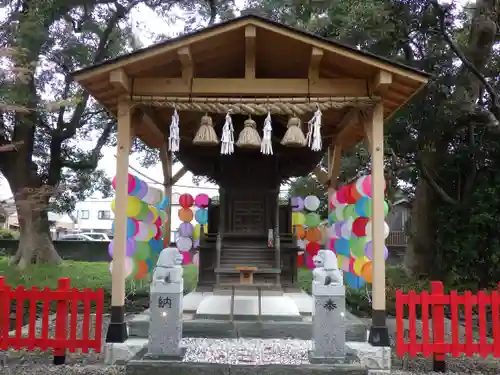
(83, 275)
(96, 275)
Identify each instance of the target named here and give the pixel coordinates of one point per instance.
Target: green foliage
(9, 234)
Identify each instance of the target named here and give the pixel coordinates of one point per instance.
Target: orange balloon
(366, 271)
(186, 215)
(355, 193)
(300, 232)
(313, 235)
(142, 269)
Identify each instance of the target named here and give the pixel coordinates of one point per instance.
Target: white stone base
(248, 305)
(376, 358)
(114, 352)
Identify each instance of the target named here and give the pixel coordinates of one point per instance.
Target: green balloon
(313, 220)
(358, 245)
(143, 250)
(368, 208)
(350, 212)
(386, 208)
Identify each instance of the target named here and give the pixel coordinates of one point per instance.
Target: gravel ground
(242, 351)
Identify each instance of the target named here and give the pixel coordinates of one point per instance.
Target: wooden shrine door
(249, 212)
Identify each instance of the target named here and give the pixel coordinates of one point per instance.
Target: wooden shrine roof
(219, 52)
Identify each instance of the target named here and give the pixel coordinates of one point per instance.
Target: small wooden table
(246, 274)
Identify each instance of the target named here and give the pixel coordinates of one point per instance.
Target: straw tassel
(266, 147)
(206, 136)
(294, 137)
(249, 137)
(174, 139)
(314, 134)
(227, 139)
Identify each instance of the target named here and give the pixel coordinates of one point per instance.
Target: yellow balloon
(196, 232)
(113, 205)
(358, 266)
(298, 218)
(134, 206)
(340, 261)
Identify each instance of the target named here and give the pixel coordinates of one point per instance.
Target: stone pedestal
(329, 327)
(165, 328)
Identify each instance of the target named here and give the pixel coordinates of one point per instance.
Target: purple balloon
(369, 251)
(186, 230)
(143, 190)
(297, 204)
(129, 248)
(338, 228)
(196, 244)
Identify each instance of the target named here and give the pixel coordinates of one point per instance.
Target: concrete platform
(138, 327)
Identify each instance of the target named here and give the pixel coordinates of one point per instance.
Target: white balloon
(311, 203)
(387, 230)
(129, 266)
(153, 196)
(359, 186)
(330, 230)
(300, 253)
(346, 229)
(184, 243)
(301, 244)
(339, 211)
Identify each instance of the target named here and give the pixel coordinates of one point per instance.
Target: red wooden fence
(67, 310)
(436, 344)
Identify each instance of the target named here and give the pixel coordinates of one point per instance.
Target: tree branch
(438, 189)
(93, 160)
(495, 99)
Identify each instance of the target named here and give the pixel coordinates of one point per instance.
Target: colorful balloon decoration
(145, 219)
(306, 226)
(189, 235)
(350, 214)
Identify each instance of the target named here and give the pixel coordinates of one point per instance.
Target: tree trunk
(422, 242)
(35, 242)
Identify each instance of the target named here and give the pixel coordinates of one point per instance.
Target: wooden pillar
(220, 231)
(117, 330)
(374, 127)
(277, 244)
(334, 158)
(166, 161)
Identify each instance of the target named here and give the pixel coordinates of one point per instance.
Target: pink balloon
(367, 186)
(310, 262)
(201, 200)
(331, 244)
(345, 264)
(196, 259)
(186, 257)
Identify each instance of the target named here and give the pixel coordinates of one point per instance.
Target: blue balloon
(131, 227)
(149, 262)
(342, 246)
(156, 246)
(163, 204)
(353, 281)
(201, 216)
(332, 218)
(360, 206)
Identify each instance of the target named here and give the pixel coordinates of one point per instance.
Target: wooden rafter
(186, 60)
(381, 82)
(250, 36)
(120, 80)
(316, 57)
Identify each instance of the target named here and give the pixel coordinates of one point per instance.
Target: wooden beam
(250, 36)
(334, 156)
(316, 56)
(150, 120)
(350, 120)
(381, 82)
(251, 87)
(186, 60)
(120, 80)
(180, 173)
